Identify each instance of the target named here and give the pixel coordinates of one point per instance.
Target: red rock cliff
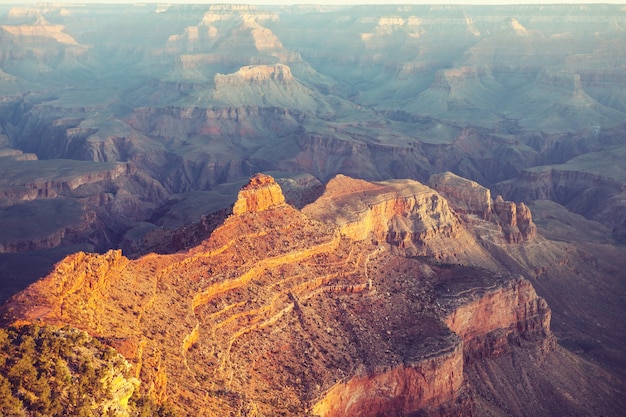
(488, 319)
(395, 392)
(259, 194)
(413, 218)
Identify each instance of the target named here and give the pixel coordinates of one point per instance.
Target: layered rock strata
(468, 197)
(277, 313)
(410, 216)
(465, 195)
(521, 314)
(433, 381)
(260, 194)
(592, 185)
(90, 202)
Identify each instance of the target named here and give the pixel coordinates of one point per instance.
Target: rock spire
(261, 193)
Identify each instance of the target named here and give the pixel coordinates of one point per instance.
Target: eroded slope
(280, 314)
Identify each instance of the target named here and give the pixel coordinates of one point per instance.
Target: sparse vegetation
(49, 371)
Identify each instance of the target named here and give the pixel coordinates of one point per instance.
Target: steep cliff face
(260, 194)
(468, 197)
(75, 223)
(521, 314)
(412, 217)
(78, 281)
(265, 86)
(515, 220)
(257, 75)
(465, 196)
(430, 383)
(490, 317)
(91, 202)
(41, 29)
(39, 47)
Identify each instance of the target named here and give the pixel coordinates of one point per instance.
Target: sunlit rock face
(261, 193)
(407, 214)
(335, 324)
(489, 321)
(430, 383)
(520, 314)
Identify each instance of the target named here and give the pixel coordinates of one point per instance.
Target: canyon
(335, 321)
(338, 316)
(324, 210)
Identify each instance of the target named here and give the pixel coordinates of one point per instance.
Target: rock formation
(522, 314)
(260, 194)
(516, 220)
(467, 196)
(257, 74)
(227, 91)
(41, 29)
(84, 197)
(406, 214)
(431, 382)
(139, 138)
(279, 313)
(591, 185)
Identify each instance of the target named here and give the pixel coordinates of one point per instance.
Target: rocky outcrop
(256, 74)
(41, 29)
(595, 194)
(388, 25)
(265, 86)
(430, 383)
(46, 179)
(411, 217)
(515, 219)
(91, 203)
(491, 315)
(565, 186)
(77, 281)
(40, 43)
(466, 196)
(261, 193)
(333, 323)
(491, 319)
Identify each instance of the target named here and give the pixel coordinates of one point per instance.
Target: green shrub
(49, 371)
